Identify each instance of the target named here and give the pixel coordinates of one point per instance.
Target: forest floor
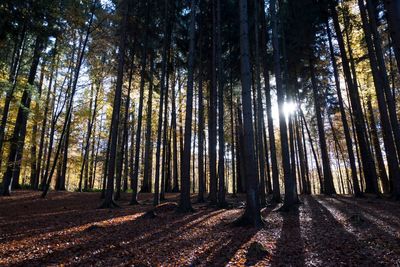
(67, 229)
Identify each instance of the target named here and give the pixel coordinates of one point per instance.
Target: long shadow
(383, 214)
(62, 211)
(130, 237)
(222, 251)
(331, 243)
(51, 223)
(290, 246)
(378, 240)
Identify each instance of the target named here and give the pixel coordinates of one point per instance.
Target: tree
(252, 212)
(184, 202)
(108, 200)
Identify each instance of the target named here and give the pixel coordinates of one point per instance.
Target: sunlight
(289, 108)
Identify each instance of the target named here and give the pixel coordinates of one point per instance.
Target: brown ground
(66, 228)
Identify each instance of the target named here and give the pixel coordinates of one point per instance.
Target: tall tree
(18, 137)
(108, 200)
(184, 201)
(252, 212)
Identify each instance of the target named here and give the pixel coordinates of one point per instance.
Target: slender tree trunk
(241, 181)
(163, 97)
(368, 163)
(381, 86)
(148, 164)
(35, 130)
(313, 151)
(329, 187)
(174, 141)
(233, 136)
(289, 181)
(135, 176)
(260, 110)
(393, 16)
(346, 129)
(108, 200)
(301, 158)
(221, 137)
(18, 137)
(201, 174)
(307, 172)
(165, 120)
(252, 212)
(13, 78)
(378, 152)
(212, 115)
(184, 202)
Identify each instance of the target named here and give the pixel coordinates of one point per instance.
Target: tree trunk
(346, 129)
(212, 115)
(135, 175)
(18, 137)
(329, 187)
(393, 16)
(289, 200)
(377, 146)
(368, 163)
(148, 164)
(35, 130)
(14, 73)
(252, 212)
(184, 202)
(221, 137)
(260, 110)
(200, 129)
(108, 200)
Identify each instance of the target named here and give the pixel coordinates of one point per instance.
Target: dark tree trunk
(377, 146)
(135, 176)
(108, 200)
(368, 163)
(252, 212)
(18, 137)
(184, 202)
(14, 73)
(310, 139)
(346, 129)
(200, 129)
(302, 160)
(241, 180)
(174, 141)
(148, 164)
(260, 110)
(165, 120)
(34, 131)
(221, 137)
(233, 136)
(212, 115)
(308, 179)
(393, 14)
(329, 187)
(163, 96)
(289, 200)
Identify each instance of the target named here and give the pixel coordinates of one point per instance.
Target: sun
(289, 108)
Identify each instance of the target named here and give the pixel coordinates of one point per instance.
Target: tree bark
(108, 200)
(252, 212)
(329, 187)
(18, 137)
(184, 202)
